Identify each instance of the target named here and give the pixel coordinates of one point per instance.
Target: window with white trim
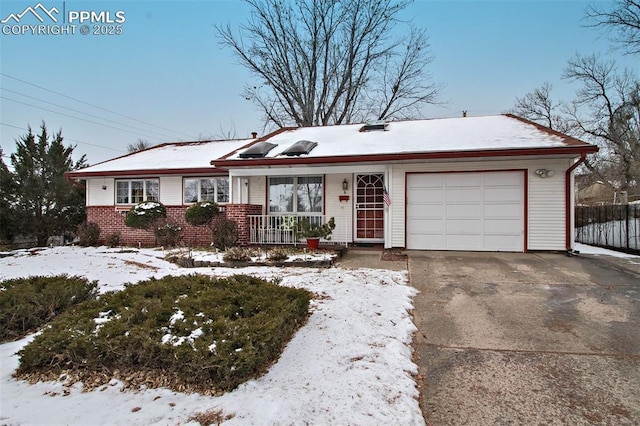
(302, 194)
(214, 189)
(134, 191)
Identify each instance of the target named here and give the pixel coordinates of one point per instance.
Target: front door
(369, 208)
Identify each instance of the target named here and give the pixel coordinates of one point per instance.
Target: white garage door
(466, 211)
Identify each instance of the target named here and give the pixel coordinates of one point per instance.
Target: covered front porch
(280, 229)
(354, 199)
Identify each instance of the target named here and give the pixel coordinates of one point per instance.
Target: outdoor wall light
(104, 187)
(345, 186)
(544, 173)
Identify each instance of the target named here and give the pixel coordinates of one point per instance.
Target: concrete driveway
(509, 338)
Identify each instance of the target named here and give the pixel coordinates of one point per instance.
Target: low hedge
(190, 333)
(28, 303)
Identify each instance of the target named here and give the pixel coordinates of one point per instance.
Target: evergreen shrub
(143, 215)
(190, 333)
(28, 303)
(201, 213)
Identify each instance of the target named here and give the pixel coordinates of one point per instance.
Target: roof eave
(79, 174)
(512, 152)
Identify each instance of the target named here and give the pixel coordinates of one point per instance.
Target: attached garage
(475, 211)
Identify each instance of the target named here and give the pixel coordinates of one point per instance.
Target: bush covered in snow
(201, 213)
(190, 333)
(28, 303)
(143, 215)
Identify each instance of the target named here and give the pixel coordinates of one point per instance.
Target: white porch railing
(279, 229)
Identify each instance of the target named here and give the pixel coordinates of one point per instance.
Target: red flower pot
(313, 243)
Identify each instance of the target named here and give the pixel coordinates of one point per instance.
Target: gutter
(78, 183)
(568, 212)
(367, 158)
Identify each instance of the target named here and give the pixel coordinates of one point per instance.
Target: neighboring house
(495, 183)
(176, 174)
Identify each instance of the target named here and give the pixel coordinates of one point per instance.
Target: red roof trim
(255, 141)
(514, 152)
(569, 140)
(185, 171)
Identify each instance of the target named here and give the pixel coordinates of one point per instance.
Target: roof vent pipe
(464, 113)
(254, 134)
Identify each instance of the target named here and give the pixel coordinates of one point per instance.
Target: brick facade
(240, 214)
(110, 219)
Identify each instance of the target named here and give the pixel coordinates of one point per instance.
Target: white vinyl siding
(96, 195)
(342, 211)
(547, 206)
(171, 190)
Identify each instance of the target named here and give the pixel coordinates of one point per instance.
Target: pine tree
(6, 202)
(46, 203)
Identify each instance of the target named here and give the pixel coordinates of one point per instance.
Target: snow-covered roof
(487, 133)
(166, 157)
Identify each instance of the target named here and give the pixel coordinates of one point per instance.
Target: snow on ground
(350, 364)
(587, 249)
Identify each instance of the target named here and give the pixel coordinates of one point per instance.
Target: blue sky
(169, 79)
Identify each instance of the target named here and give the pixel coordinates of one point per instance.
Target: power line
(72, 116)
(68, 139)
(96, 106)
(85, 113)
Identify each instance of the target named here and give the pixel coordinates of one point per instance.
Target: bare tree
(539, 106)
(139, 145)
(607, 111)
(622, 22)
(323, 62)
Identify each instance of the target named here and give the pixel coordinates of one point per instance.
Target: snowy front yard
(350, 364)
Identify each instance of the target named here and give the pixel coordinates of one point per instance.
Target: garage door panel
(463, 226)
(428, 242)
(501, 243)
(466, 211)
(502, 179)
(502, 210)
(428, 212)
(465, 195)
(502, 226)
(463, 211)
(426, 226)
(503, 194)
(464, 242)
(462, 180)
(426, 195)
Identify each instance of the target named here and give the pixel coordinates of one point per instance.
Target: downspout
(568, 193)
